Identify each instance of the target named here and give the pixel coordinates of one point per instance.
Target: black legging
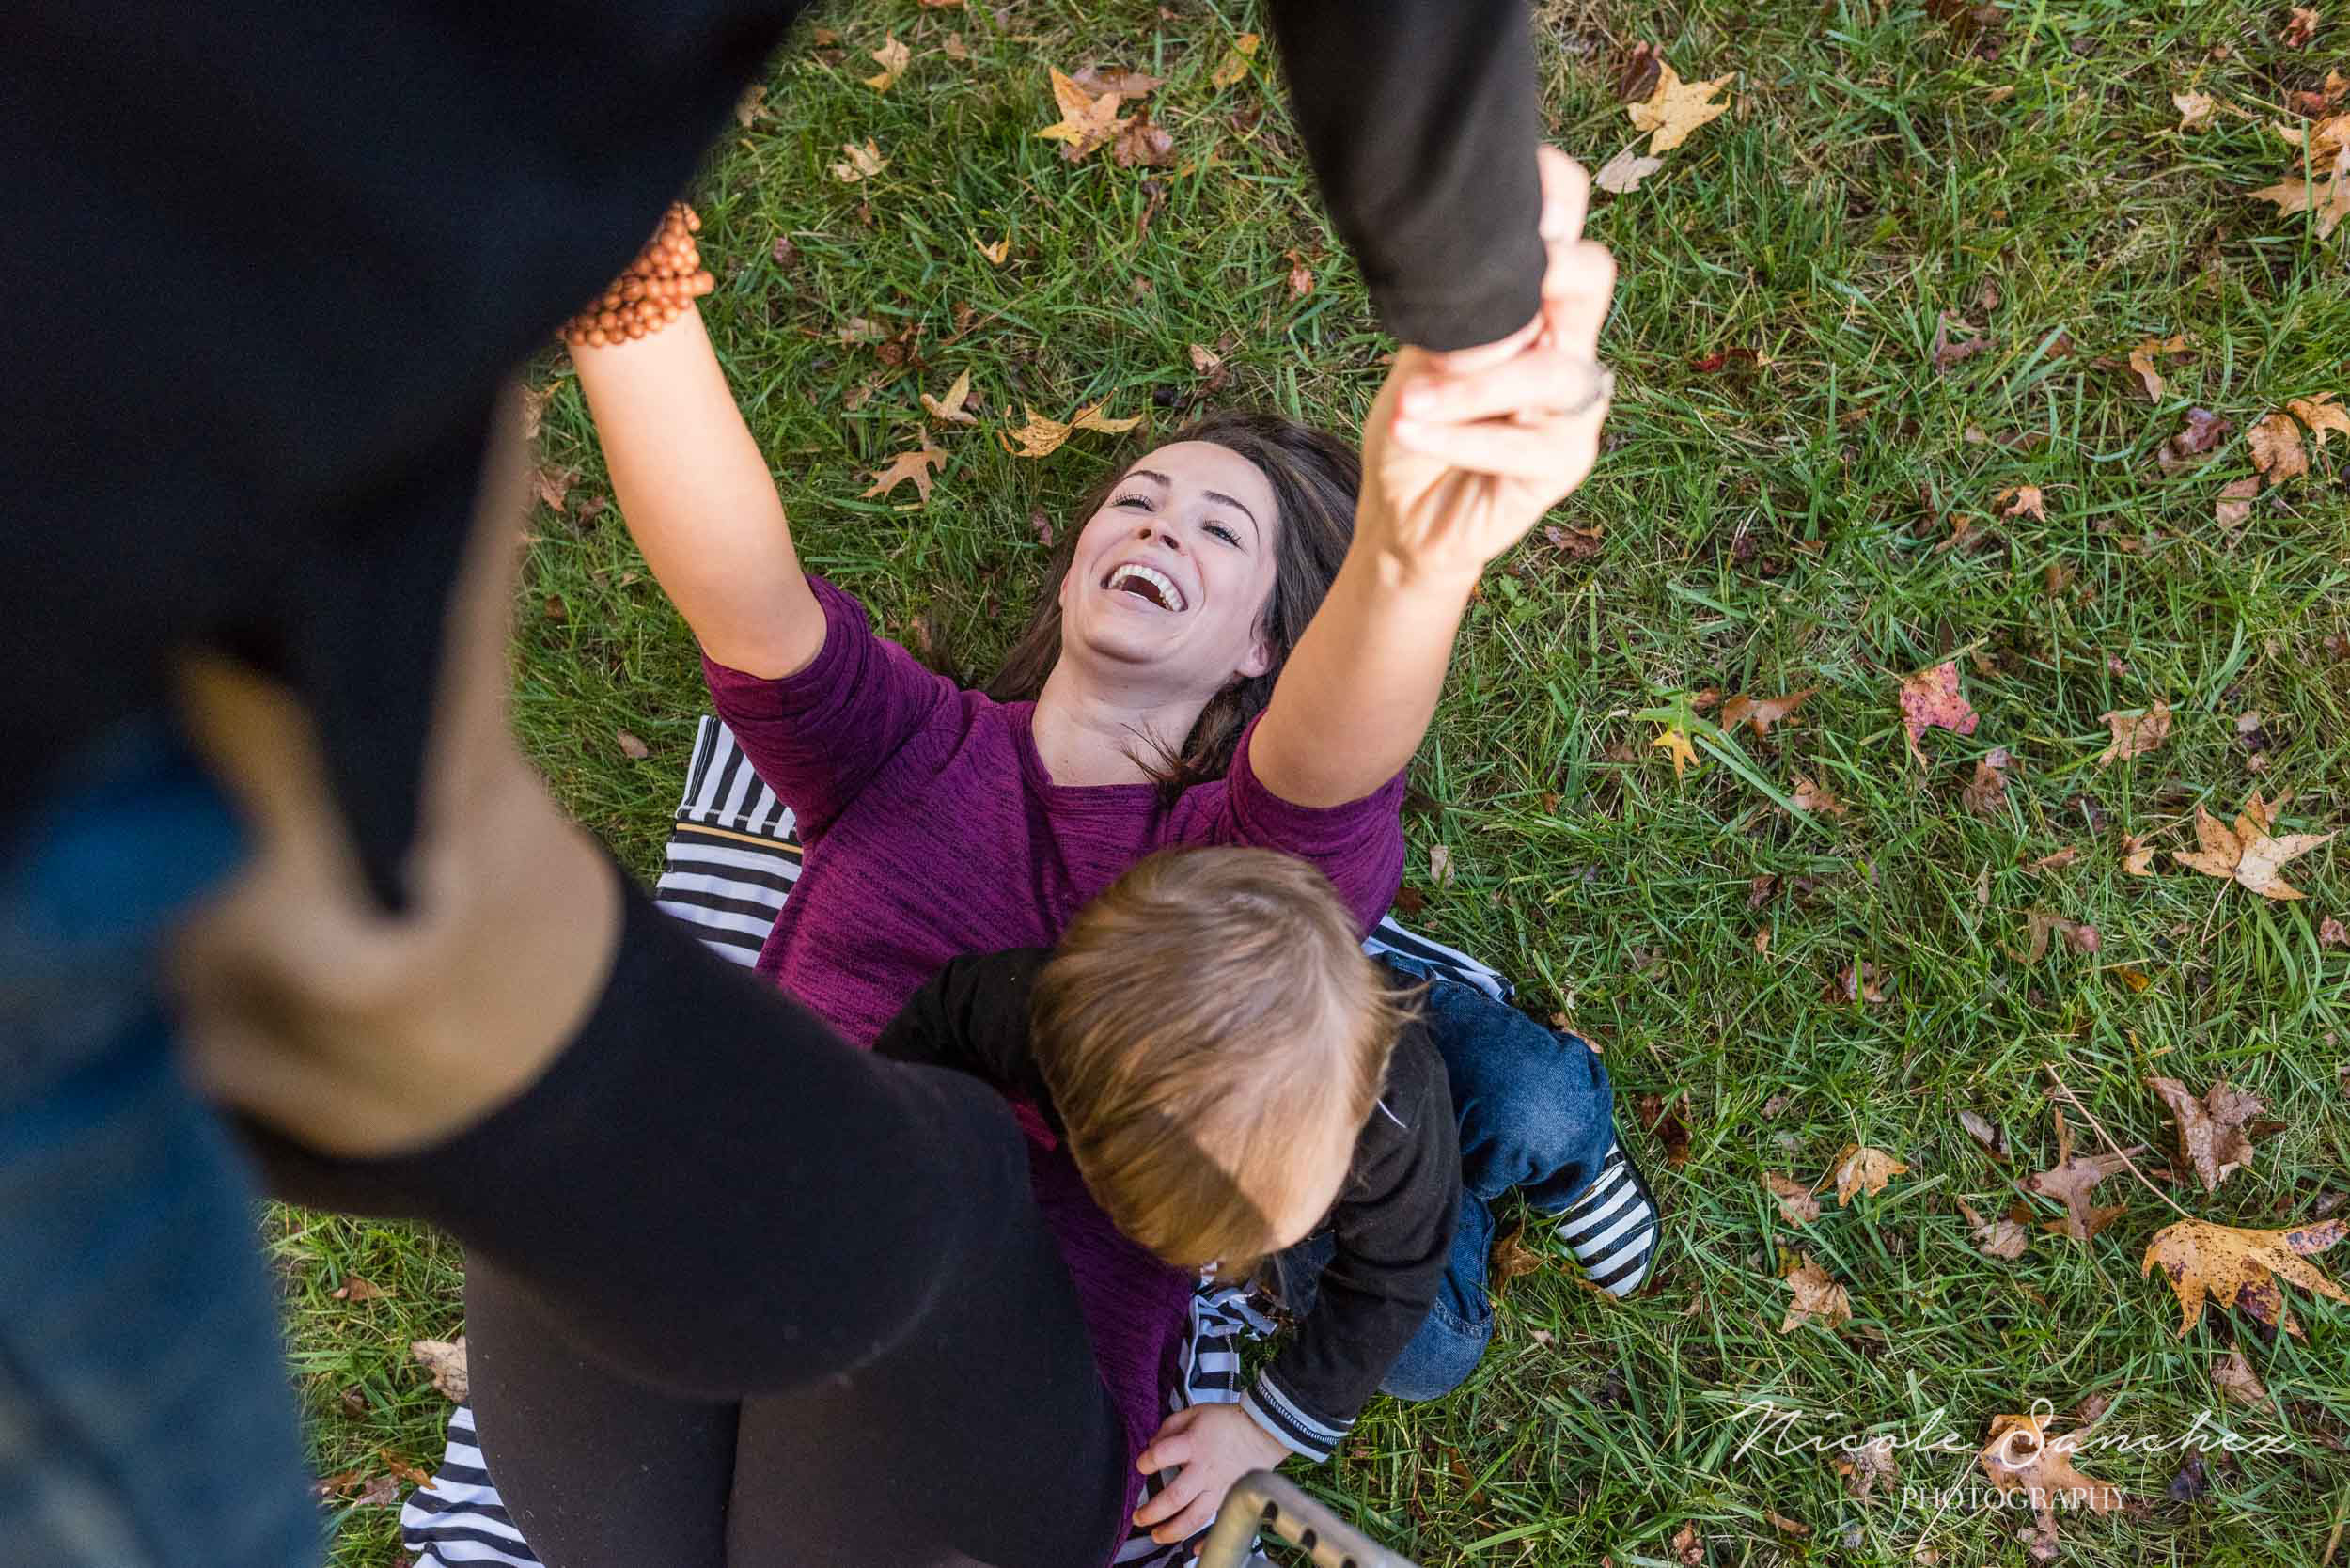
(740, 1296)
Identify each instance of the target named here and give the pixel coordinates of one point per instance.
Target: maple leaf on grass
(1817, 1298)
(1760, 712)
(2221, 1262)
(2136, 732)
(1677, 109)
(2330, 200)
(2247, 853)
(1929, 700)
(949, 410)
(1088, 122)
(1796, 1205)
(892, 58)
(914, 465)
(1860, 1169)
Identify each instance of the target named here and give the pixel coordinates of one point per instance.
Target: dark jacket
(1392, 1223)
(287, 252)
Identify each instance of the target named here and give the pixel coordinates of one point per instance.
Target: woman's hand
(1464, 451)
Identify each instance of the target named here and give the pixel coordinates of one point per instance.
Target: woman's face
(1171, 577)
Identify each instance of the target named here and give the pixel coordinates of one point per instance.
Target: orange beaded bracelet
(666, 277)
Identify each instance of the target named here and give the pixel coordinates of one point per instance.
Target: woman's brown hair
(1315, 477)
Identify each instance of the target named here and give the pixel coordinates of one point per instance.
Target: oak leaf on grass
(2003, 1237)
(2195, 109)
(2248, 852)
(1985, 794)
(948, 410)
(1677, 109)
(2021, 1457)
(914, 465)
(1125, 84)
(2028, 502)
(2073, 1182)
(1143, 144)
(2142, 362)
(1812, 796)
(1761, 711)
(2222, 1262)
(2236, 1379)
(2213, 1137)
(1675, 740)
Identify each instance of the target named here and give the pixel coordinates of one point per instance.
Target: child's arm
(1456, 468)
(697, 497)
(972, 1016)
(1394, 1236)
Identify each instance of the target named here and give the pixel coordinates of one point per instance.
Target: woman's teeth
(1141, 581)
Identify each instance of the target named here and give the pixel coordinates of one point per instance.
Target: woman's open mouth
(1153, 588)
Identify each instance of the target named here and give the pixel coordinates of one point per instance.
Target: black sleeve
(726, 1197)
(972, 1017)
(1421, 117)
(1394, 1231)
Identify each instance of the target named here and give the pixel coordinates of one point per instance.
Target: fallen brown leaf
(1811, 796)
(1796, 1205)
(2331, 933)
(2020, 1456)
(1301, 276)
(1092, 418)
(2138, 854)
(2074, 1179)
(2247, 854)
(1125, 84)
(1859, 980)
(2136, 733)
(914, 465)
(2028, 502)
(1664, 1122)
(2195, 109)
(1862, 1466)
(2222, 1261)
(948, 410)
(996, 254)
(2301, 27)
(1985, 794)
(2056, 860)
(750, 106)
(1760, 712)
(2039, 925)
(2212, 1136)
(356, 1288)
(2236, 1379)
(2004, 1237)
(1929, 700)
(1511, 1256)
(2323, 415)
(2236, 503)
(445, 1360)
(1992, 1138)
(552, 486)
(1143, 144)
(2330, 200)
(631, 746)
(1636, 73)
(1860, 1169)
(1622, 175)
(2143, 363)
(1817, 1298)
(1440, 865)
(2276, 452)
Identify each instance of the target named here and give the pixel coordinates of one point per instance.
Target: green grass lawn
(1786, 455)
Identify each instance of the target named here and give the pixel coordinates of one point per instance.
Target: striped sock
(1613, 1228)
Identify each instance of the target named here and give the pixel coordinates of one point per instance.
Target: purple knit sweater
(931, 829)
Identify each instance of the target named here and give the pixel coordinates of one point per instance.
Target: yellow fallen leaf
(2223, 1262)
(1092, 418)
(1039, 438)
(2247, 854)
(997, 253)
(1675, 743)
(893, 56)
(1087, 123)
(948, 410)
(1235, 64)
(2276, 444)
(1677, 109)
(1860, 1169)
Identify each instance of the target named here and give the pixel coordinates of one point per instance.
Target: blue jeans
(1536, 1114)
(143, 1417)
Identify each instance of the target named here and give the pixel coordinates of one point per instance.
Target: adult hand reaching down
(1214, 1445)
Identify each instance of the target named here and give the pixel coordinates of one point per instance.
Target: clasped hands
(1465, 450)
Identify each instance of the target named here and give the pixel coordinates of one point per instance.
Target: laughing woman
(1244, 642)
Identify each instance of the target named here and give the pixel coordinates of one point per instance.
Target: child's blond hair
(1208, 1027)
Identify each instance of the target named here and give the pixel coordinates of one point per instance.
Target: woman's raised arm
(695, 492)
(1458, 463)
